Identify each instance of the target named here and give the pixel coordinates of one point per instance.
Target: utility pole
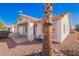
(47, 18)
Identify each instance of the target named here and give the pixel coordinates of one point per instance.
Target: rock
(37, 52)
(57, 52)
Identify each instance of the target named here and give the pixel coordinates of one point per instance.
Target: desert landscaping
(68, 47)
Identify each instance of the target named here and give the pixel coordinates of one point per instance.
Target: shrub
(72, 31)
(39, 39)
(4, 34)
(77, 27)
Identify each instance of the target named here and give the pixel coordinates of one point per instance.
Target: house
(10, 28)
(33, 27)
(25, 25)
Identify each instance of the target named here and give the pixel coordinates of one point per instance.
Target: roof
(56, 17)
(36, 20)
(59, 16)
(9, 26)
(29, 16)
(32, 19)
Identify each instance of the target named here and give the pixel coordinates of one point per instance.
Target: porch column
(30, 34)
(16, 31)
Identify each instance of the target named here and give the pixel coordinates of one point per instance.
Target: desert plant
(72, 30)
(77, 27)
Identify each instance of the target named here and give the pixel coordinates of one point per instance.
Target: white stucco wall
(56, 37)
(30, 33)
(21, 30)
(39, 31)
(58, 31)
(65, 20)
(16, 29)
(13, 29)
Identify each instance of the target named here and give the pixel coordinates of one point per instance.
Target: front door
(21, 30)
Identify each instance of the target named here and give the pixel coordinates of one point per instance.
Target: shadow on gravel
(70, 52)
(66, 53)
(12, 44)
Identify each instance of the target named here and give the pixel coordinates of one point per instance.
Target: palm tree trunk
(47, 42)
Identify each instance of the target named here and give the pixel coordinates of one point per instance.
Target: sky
(10, 11)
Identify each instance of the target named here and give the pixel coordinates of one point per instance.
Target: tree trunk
(47, 42)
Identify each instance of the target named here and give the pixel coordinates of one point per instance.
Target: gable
(22, 19)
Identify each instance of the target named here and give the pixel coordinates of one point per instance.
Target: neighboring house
(10, 28)
(33, 27)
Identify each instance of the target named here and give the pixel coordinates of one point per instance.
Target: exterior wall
(30, 31)
(56, 36)
(12, 29)
(39, 31)
(65, 27)
(16, 29)
(21, 29)
(58, 31)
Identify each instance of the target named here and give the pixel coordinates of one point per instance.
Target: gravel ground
(9, 47)
(70, 46)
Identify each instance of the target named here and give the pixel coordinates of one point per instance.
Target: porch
(22, 29)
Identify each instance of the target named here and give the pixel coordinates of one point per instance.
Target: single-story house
(33, 27)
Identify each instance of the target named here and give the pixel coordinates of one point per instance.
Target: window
(26, 27)
(53, 26)
(64, 28)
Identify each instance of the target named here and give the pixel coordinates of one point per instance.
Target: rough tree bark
(47, 42)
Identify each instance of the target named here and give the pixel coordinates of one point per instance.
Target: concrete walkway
(18, 38)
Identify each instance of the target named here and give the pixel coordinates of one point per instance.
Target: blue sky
(9, 12)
